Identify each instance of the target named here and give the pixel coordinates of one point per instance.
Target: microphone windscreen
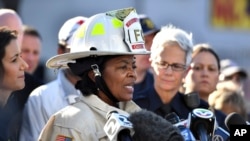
(150, 127)
(234, 119)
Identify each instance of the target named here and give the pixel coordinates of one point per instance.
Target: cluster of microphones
(147, 126)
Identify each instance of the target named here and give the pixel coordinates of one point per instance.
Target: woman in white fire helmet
(102, 54)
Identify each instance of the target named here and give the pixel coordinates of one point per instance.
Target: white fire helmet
(112, 33)
(68, 29)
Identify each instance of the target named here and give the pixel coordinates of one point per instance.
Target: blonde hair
(225, 98)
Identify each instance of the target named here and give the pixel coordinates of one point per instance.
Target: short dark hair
(29, 30)
(6, 35)
(206, 48)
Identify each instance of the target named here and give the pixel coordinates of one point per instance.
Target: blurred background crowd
(222, 24)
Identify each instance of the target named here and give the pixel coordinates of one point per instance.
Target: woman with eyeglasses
(171, 54)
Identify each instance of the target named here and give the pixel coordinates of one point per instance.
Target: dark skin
(119, 75)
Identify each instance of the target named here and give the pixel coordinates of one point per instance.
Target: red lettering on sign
(137, 46)
(131, 21)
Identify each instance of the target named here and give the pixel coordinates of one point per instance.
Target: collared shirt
(44, 102)
(84, 120)
(150, 100)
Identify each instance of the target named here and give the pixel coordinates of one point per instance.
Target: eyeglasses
(174, 66)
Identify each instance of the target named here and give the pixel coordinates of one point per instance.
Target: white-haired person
(171, 55)
(102, 55)
(49, 98)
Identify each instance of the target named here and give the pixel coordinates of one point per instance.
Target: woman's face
(14, 66)
(166, 78)
(119, 75)
(203, 74)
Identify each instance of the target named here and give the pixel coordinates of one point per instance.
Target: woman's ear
(91, 75)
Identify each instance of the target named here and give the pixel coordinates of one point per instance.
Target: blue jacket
(147, 82)
(150, 100)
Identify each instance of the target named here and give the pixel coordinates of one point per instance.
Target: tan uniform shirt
(83, 121)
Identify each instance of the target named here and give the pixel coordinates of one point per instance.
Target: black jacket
(150, 100)
(11, 113)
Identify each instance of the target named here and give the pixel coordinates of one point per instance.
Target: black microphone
(234, 119)
(150, 127)
(192, 100)
(124, 135)
(181, 125)
(118, 127)
(202, 123)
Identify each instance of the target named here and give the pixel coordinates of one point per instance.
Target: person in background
(171, 54)
(228, 101)
(107, 73)
(203, 73)
(16, 101)
(233, 77)
(49, 98)
(12, 68)
(31, 51)
(144, 75)
(10, 18)
(232, 72)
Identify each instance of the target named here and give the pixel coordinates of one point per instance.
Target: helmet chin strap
(101, 84)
